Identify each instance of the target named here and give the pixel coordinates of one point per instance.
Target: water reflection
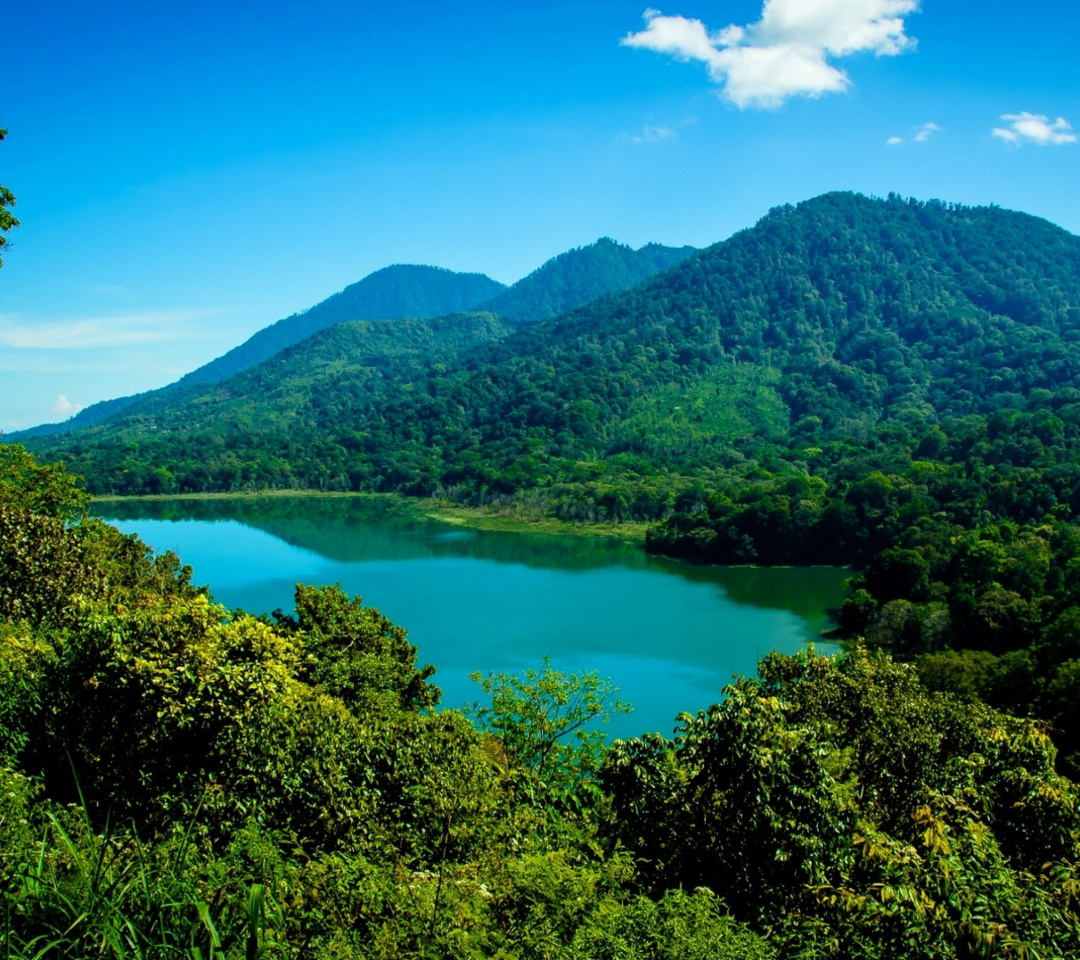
(671, 635)
(363, 529)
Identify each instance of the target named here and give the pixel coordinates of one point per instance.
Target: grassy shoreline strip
(474, 517)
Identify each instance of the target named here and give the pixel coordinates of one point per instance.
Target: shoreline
(477, 518)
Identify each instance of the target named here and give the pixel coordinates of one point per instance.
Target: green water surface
(670, 635)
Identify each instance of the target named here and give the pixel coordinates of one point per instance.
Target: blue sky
(187, 173)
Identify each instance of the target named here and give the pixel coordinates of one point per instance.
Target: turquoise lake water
(670, 635)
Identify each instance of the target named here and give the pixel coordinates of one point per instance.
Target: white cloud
(1035, 128)
(650, 135)
(926, 132)
(922, 134)
(786, 53)
(64, 408)
(100, 332)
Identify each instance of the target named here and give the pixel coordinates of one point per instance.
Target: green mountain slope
(580, 276)
(822, 322)
(298, 389)
(403, 290)
(563, 283)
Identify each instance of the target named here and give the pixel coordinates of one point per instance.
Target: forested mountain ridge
(563, 283)
(402, 290)
(819, 323)
(579, 276)
(299, 390)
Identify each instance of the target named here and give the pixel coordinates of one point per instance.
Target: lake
(669, 634)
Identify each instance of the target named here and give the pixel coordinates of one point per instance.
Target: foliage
(843, 805)
(548, 722)
(860, 316)
(392, 293)
(107, 895)
(418, 292)
(356, 654)
(580, 276)
(179, 778)
(7, 218)
(46, 489)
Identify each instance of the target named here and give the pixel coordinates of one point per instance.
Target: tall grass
(80, 894)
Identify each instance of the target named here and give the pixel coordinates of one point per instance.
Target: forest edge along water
(482, 597)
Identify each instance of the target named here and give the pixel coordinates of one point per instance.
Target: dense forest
(394, 292)
(889, 384)
(822, 324)
(581, 276)
(406, 291)
(883, 383)
(182, 779)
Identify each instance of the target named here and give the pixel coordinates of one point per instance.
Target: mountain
(403, 290)
(563, 283)
(398, 291)
(307, 384)
(582, 275)
(823, 323)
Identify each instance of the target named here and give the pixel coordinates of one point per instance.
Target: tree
(843, 807)
(539, 716)
(7, 199)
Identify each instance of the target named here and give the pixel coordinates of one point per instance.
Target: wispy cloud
(922, 134)
(926, 132)
(1034, 128)
(101, 332)
(64, 408)
(650, 135)
(787, 52)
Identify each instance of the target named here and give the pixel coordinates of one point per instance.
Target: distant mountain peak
(578, 276)
(419, 291)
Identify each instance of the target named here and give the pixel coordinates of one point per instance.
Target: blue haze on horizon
(187, 173)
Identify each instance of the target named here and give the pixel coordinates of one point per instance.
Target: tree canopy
(179, 777)
(7, 218)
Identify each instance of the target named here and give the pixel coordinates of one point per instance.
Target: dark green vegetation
(387, 294)
(7, 218)
(581, 276)
(414, 292)
(393, 292)
(423, 293)
(821, 326)
(885, 383)
(179, 778)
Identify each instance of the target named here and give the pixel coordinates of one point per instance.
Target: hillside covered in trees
(825, 322)
(406, 291)
(178, 777)
(885, 383)
(582, 275)
(403, 290)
